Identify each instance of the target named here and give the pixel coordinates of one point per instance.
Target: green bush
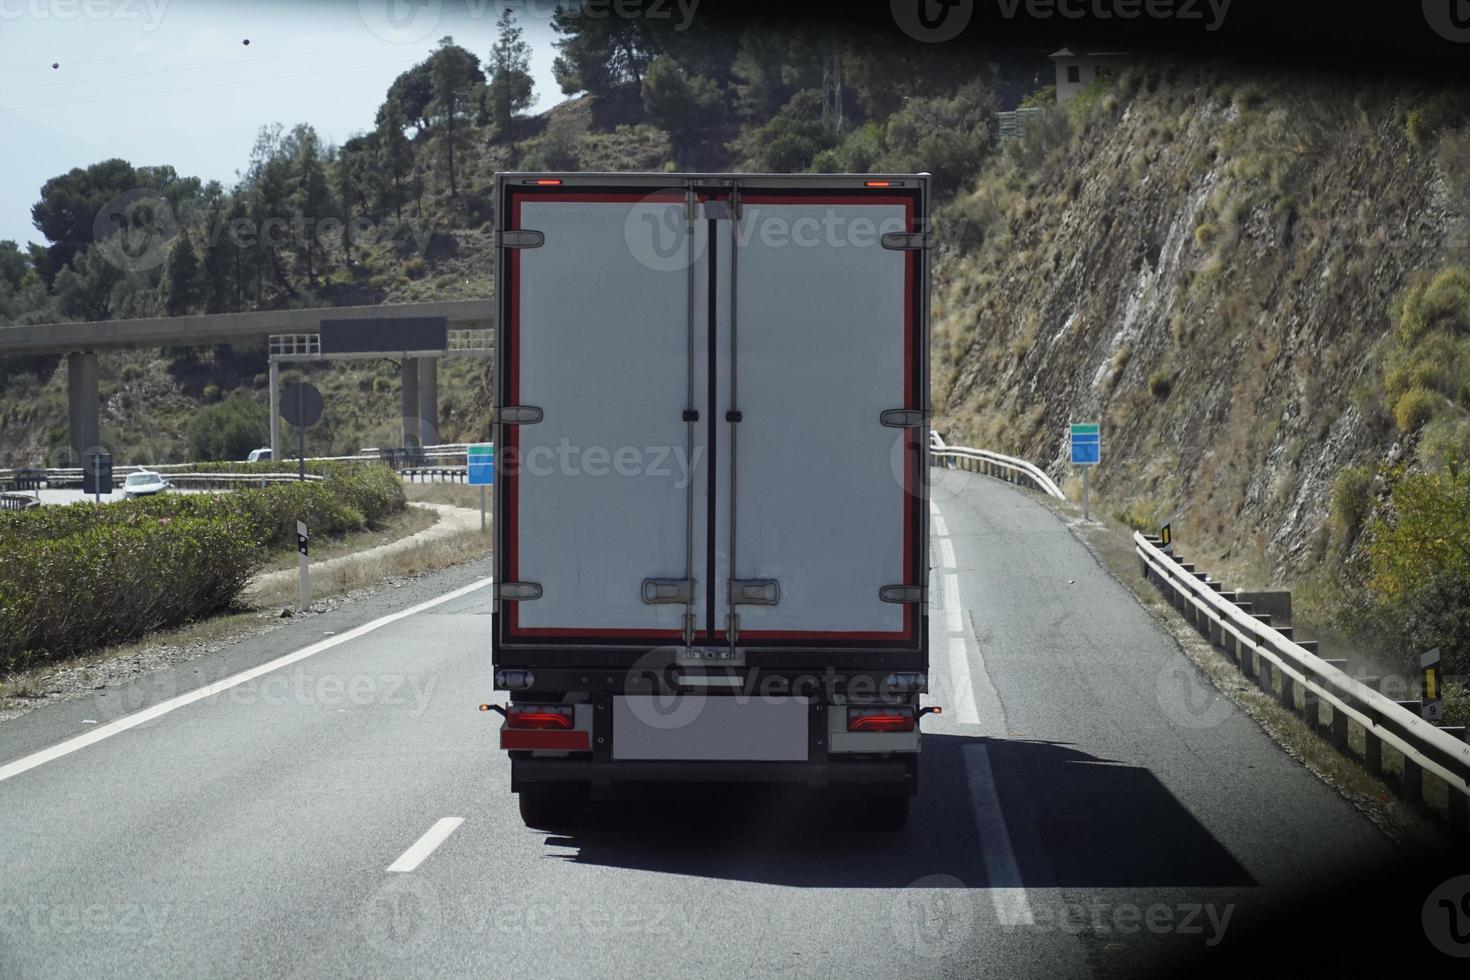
(1415, 407)
(231, 428)
(1419, 554)
(94, 574)
(115, 582)
(1352, 501)
(1442, 304)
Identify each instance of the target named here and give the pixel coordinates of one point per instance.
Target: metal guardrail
(17, 501)
(449, 454)
(1261, 650)
(984, 461)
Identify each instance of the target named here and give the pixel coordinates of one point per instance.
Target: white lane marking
(946, 553)
(954, 620)
(965, 710)
(941, 529)
(933, 508)
(71, 745)
(1012, 906)
(424, 846)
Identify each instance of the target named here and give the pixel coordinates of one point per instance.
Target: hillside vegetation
(402, 212)
(1257, 285)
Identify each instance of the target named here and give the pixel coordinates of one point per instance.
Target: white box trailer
(711, 510)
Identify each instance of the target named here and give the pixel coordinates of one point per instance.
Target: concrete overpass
(287, 333)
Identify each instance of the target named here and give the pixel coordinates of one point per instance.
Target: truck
(711, 520)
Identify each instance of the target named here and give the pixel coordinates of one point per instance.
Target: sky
(172, 81)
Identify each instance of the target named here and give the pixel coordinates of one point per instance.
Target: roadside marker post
(1085, 440)
(302, 543)
(1433, 705)
(480, 471)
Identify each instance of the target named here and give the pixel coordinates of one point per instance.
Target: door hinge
(732, 627)
(688, 628)
(659, 591)
(755, 592)
(522, 238)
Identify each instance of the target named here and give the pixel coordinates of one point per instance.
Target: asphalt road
(1089, 806)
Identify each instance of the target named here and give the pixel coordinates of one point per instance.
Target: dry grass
(409, 521)
(453, 549)
(454, 494)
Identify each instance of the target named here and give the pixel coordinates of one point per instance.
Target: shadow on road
(1073, 820)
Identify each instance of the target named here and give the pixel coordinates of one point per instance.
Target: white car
(259, 456)
(142, 484)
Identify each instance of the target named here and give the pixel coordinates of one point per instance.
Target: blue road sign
(1086, 441)
(481, 459)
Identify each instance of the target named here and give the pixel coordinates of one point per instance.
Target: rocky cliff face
(1207, 264)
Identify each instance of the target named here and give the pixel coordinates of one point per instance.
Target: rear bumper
(893, 771)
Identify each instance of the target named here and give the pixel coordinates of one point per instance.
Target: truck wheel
(552, 805)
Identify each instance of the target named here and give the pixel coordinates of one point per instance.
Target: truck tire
(551, 805)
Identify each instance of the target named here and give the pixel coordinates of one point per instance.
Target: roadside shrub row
(115, 582)
(89, 575)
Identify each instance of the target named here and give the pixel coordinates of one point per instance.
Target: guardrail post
(1412, 786)
(1340, 731)
(1311, 709)
(1372, 753)
(1288, 691)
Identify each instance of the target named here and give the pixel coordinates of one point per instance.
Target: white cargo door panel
(822, 338)
(598, 499)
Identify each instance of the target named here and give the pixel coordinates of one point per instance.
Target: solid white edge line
(946, 552)
(26, 763)
(1012, 906)
(424, 846)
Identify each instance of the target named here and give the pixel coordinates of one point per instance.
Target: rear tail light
(880, 719)
(539, 717)
(543, 727)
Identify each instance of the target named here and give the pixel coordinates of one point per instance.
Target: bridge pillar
(82, 404)
(429, 401)
(275, 411)
(409, 383)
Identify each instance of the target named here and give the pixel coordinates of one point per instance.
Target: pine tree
(509, 92)
(182, 285)
(454, 71)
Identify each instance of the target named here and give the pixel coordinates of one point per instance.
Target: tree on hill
(395, 153)
(455, 73)
(413, 92)
(14, 264)
(181, 286)
(229, 429)
(310, 197)
(510, 89)
(599, 55)
(679, 103)
(85, 289)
